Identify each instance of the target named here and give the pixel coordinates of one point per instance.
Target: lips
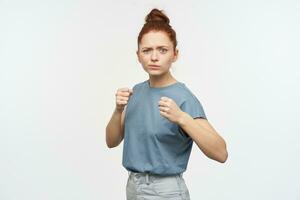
(154, 66)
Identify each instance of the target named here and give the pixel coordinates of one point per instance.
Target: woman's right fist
(122, 97)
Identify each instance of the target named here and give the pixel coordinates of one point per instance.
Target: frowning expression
(156, 53)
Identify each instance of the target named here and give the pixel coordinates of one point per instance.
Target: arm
(205, 136)
(115, 128)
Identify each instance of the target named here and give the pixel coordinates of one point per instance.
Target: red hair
(156, 20)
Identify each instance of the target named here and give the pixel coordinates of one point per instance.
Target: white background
(61, 63)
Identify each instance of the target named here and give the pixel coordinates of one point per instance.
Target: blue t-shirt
(152, 143)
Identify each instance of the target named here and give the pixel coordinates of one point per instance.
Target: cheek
(146, 57)
(143, 58)
(169, 60)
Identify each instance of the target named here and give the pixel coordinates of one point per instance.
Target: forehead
(155, 38)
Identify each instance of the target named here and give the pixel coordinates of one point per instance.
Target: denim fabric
(145, 186)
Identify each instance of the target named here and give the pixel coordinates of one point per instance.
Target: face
(156, 53)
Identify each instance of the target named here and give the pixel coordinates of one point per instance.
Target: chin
(155, 73)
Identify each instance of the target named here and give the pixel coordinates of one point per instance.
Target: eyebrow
(158, 47)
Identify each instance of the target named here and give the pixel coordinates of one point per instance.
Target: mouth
(155, 67)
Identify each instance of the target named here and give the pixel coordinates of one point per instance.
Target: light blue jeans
(153, 187)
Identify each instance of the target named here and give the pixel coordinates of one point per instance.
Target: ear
(137, 53)
(175, 55)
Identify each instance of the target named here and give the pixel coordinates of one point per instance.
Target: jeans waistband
(148, 176)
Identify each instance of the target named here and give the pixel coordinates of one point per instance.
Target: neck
(162, 80)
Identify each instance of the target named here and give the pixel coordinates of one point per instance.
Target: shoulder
(187, 93)
(192, 105)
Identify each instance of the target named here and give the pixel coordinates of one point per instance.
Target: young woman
(159, 120)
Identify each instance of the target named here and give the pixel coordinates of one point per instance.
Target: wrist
(118, 110)
(183, 118)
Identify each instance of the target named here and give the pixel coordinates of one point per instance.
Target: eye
(163, 50)
(146, 51)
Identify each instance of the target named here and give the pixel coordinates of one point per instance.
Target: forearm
(114, 132)
(210, 143)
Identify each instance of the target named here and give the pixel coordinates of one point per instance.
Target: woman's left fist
(169, 109)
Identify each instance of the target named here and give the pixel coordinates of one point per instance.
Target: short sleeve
(193, 107)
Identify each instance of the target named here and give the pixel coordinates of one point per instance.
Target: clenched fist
(169, 109)
(122, 97)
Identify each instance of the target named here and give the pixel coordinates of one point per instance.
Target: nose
(154, 56)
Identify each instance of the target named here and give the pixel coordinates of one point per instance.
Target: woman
(159, 120)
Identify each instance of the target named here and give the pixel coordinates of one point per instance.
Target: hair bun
(157, 16)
